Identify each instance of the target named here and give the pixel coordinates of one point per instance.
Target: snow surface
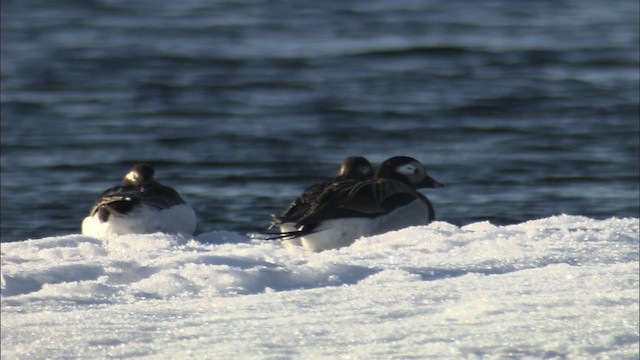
(559, 287)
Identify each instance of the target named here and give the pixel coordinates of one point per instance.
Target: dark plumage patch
(142, 188)
(353, 168)
(103, 214)
(120, 207)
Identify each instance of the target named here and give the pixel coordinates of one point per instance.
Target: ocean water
(523, 110)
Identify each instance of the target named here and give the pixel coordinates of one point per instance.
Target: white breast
(337, 233)
(143, 220)
(412, 214)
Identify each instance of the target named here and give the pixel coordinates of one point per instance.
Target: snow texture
(559, 287)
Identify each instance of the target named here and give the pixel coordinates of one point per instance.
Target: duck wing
(368, 198)
(122, 198)
(300, 205)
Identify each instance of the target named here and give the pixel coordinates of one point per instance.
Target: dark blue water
(523, 109)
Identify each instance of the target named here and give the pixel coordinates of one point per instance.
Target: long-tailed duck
(348, 209)
(139, 205)
(353, 168)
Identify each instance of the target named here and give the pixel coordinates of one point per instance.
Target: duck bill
(429, 182)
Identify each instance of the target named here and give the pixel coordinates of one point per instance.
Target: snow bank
(559, 287)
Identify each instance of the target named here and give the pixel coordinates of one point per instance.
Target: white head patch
(414, 172)
(132, 176)
(407, 169)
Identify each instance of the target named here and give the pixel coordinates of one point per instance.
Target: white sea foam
(559, 287)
